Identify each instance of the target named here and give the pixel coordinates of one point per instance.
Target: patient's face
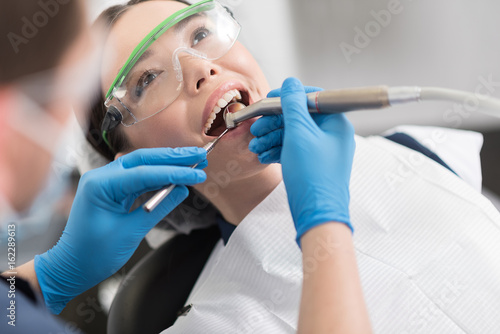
(183, 122)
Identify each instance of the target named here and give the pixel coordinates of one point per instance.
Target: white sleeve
(459, 149)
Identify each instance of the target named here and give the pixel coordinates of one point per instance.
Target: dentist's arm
(101, 234)
(316, 153)
(332, 299)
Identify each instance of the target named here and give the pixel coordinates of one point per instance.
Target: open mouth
(215, 124)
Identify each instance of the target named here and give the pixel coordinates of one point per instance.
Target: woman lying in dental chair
(425, 239)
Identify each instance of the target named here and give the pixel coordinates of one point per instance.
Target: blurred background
(334, 44)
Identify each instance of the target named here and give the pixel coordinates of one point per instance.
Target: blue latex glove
(316, 152)
(269, 132)
(101, 234)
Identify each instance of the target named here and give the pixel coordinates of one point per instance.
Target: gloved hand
(316, 152)
(269, 132)
(101, 234)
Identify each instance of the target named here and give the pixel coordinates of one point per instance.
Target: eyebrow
(146, 54)
(178, 26)
(181, 24)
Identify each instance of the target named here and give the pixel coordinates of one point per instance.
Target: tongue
(234, 107)
(217, 131)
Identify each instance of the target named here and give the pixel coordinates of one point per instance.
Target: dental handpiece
(374, 97)
(153, 202)
(327, 101)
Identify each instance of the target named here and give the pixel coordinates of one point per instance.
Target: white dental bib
(427, 245)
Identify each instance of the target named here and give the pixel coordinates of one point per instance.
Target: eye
(143, 82)
(199, 35)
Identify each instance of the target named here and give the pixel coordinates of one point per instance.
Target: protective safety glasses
(152, 77)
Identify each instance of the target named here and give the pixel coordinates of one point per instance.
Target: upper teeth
(221, 104)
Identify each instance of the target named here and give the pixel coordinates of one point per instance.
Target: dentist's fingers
(271, 156)
(119, 184)
(150, 219)
(202, 165)
(138, 179)
(181, 156)
(308, 89)
(272, 139)
(274, 93)
(266, 124)
(335, 124)
(269, 130)
(297, 119)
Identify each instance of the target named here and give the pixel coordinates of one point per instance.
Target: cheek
(233, 157)
(169, 128)
(232, 164)
(240, 60)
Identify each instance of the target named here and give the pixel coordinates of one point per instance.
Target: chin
(233, 159)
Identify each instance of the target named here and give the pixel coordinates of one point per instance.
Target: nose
(197, 73)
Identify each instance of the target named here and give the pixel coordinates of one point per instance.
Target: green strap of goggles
(113, 116)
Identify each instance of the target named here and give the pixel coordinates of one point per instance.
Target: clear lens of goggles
(152, 77)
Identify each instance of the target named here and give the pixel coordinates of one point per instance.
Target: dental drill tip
(229, 110)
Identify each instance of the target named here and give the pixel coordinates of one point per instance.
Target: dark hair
(44, 28)
(116, 137)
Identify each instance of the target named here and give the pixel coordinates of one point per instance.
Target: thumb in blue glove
(101, 234)
(316, 156)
